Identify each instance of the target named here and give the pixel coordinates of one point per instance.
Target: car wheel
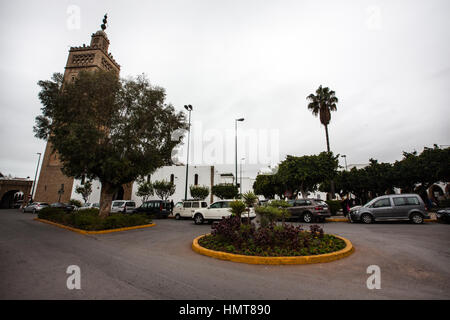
(366, 218)
(177, 216)
(416, 218)
(307, 217)
(198, 218)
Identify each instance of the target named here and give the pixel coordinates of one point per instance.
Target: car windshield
(368, 204)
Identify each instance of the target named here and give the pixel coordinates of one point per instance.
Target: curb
(321, 258)
(94, 232)
(346, 220)
(336, 220)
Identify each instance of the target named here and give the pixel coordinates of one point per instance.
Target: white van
(124, 206)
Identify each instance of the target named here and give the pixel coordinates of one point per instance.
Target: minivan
(156, 208)
(391, 207)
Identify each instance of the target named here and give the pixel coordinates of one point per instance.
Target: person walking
(171, 206)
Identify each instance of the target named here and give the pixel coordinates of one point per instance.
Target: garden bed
(271, 244)
(89, 220)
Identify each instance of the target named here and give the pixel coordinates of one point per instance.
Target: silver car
(35, 207)
(391, 207)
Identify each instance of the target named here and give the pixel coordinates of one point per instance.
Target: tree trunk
(106, 198)
(328, 149)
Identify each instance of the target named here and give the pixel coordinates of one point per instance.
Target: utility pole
(235, 129)
(189, 109)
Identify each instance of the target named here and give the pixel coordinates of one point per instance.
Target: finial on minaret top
(103, 26)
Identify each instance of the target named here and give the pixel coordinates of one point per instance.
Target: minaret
(53, 185)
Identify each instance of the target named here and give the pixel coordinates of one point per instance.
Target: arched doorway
(119, 194)
(435, 192)
(8, 199)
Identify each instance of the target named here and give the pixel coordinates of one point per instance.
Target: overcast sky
(387, 61)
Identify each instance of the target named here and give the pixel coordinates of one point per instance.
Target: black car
(156, 208)
(443, 215)
(65, 206)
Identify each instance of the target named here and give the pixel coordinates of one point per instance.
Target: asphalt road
(158, 263)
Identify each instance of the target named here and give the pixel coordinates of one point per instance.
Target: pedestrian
(171, 206)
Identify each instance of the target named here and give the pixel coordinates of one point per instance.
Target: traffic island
(277, 260)
(88, 221)
(97, 231)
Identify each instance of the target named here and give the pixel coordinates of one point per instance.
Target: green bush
(444, 203)
(75, 202)
(334, 205)
(51, 214)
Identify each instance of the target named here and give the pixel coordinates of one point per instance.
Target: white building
(198, 175)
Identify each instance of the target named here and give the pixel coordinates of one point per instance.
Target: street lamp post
(235, 129)
(35, 176)
(189, 109)
(345, 158)
(240, 183)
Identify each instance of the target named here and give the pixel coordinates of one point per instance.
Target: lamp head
(240, 119)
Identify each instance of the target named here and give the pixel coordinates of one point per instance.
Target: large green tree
(268, 185)
(304, 174)
(108, 129)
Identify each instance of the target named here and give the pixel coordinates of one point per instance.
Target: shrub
(199, 192)
(444, 203)
(334, 205)
(225, 191)
(75, 202)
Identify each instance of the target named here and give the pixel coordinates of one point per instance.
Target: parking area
(158, 263)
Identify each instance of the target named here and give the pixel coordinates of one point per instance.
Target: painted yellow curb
(336, 220)
(94, 232)
(327, 257)
(346, 220)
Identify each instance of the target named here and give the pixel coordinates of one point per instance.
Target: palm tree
(322, 104)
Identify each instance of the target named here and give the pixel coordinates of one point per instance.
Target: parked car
(89, 205)
(309, 210)
(35, 207)
(65, 206)
(157, 208)
(443, 215)
(391, 207)
(217, 211)
(185, 209)
(123, 206)
(17, 204)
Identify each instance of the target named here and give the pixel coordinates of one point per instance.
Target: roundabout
(287, 260)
